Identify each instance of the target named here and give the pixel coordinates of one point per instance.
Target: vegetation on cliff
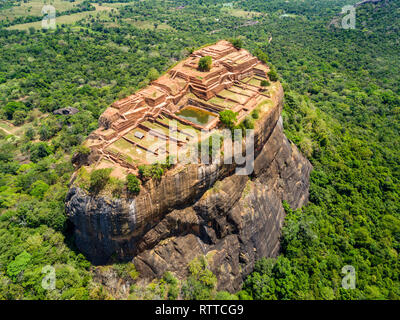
(228, 118)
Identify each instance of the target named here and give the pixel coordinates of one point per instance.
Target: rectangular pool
(196, 115)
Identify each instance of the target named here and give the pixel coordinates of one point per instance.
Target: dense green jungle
(342, 109)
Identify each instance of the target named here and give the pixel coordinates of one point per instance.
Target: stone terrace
(182, 94)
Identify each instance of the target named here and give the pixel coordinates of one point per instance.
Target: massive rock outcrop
(194, 209)
(199, 209)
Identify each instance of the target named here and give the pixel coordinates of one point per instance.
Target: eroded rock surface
(233, 220)
(234, 223)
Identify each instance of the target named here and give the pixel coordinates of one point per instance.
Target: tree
(224, 295)
(13, 106)
(173, 288)
(237, 42)
(169, 162)
(44, 133)
(273, 75)
(255, 114)
(98, 179)
(19, 117)
(228, 118)
(39, 150)
(261, 55)
(201, 282)
(153, 74)
(83, 150)
(19, 264)
(30, 133)
(132, 183)
(248, 123)
(205, 63)
(244, 295)
(154, 171)
(144, 172)
(264, 83)
(39, 188)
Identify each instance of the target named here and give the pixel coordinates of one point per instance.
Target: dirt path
(9, 125)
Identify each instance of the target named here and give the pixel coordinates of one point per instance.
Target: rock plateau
(196, 209)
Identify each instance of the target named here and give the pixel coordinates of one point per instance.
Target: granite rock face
(199, 210)
(235, 223)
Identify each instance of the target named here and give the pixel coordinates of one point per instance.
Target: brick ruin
(233, 82)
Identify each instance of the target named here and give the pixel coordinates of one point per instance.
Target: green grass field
(149, 25)
(240, 13)
(164, 130)
(181, 126)
(126, 148)
(254, 82)
(234, 96)
(222, 103)
(67, 19)
(34, 8)
(241, 91)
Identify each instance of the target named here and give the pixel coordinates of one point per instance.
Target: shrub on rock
(228, 118)
(273, 75)
(132, 183)
(99, 179)
(237, 43)
(205, 63)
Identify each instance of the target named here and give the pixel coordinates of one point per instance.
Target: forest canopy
(342, 99)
